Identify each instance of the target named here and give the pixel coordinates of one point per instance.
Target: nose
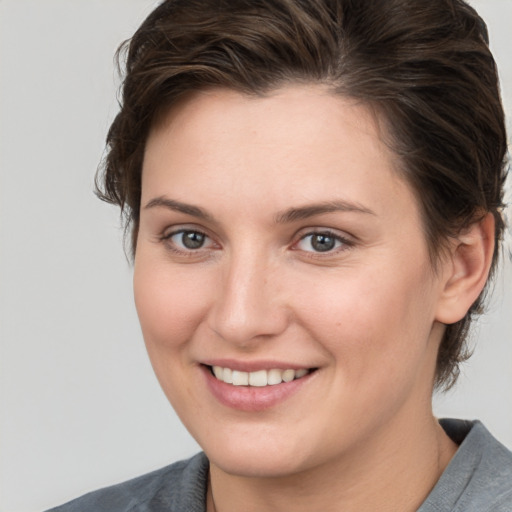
(249, 303)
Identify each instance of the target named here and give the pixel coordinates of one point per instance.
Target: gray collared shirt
(478, 479)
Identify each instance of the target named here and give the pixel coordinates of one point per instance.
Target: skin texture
(366, 314)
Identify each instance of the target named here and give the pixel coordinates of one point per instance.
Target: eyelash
(167, 239)
(345, 243)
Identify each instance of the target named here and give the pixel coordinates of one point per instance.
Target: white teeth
(240, 378)
(258, 378)
(218, 372)
(288, 375)
(227, 376)
(300, 373)
(274, 377)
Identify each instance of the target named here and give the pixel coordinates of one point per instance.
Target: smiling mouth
(260, 378)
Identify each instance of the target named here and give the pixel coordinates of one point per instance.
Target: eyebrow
(287, 216)
(178, 206)
(305, 212)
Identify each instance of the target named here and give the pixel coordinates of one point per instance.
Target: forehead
(304, 141)
(311, 111)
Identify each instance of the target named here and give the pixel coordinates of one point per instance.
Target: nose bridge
(248, 305)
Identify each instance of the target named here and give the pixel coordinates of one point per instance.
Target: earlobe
(466, 270)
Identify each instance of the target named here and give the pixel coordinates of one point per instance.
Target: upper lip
(254, 366)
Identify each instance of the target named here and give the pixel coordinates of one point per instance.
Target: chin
(260, 455)
(265, 466)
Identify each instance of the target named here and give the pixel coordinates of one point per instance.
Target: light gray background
(80, 407)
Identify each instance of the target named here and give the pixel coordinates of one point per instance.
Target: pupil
(322, 243)
(192, 239)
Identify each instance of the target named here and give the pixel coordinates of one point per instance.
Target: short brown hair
(424, 65)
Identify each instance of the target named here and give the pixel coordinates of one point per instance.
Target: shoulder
(479, 477)
(180, 486)
(491, 484)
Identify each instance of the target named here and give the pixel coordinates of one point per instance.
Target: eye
(188, 240)
(321, 242)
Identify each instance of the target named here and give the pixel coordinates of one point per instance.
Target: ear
(465, 270)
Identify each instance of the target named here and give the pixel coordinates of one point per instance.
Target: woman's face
(276, 235)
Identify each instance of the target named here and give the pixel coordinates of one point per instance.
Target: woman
(314, 191)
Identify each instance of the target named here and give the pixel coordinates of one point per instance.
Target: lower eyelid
(176, 248)
(338, 240)
(342, 243)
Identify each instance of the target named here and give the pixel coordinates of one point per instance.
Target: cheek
(170, 303)
(371, 321)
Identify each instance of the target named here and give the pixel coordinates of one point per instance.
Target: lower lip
(252, 398)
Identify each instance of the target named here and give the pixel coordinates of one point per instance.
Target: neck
(388, 473)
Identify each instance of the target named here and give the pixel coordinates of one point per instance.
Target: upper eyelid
(342, 236)
(169, 231)
(166, 239)
(324, 232)
(346, 241)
